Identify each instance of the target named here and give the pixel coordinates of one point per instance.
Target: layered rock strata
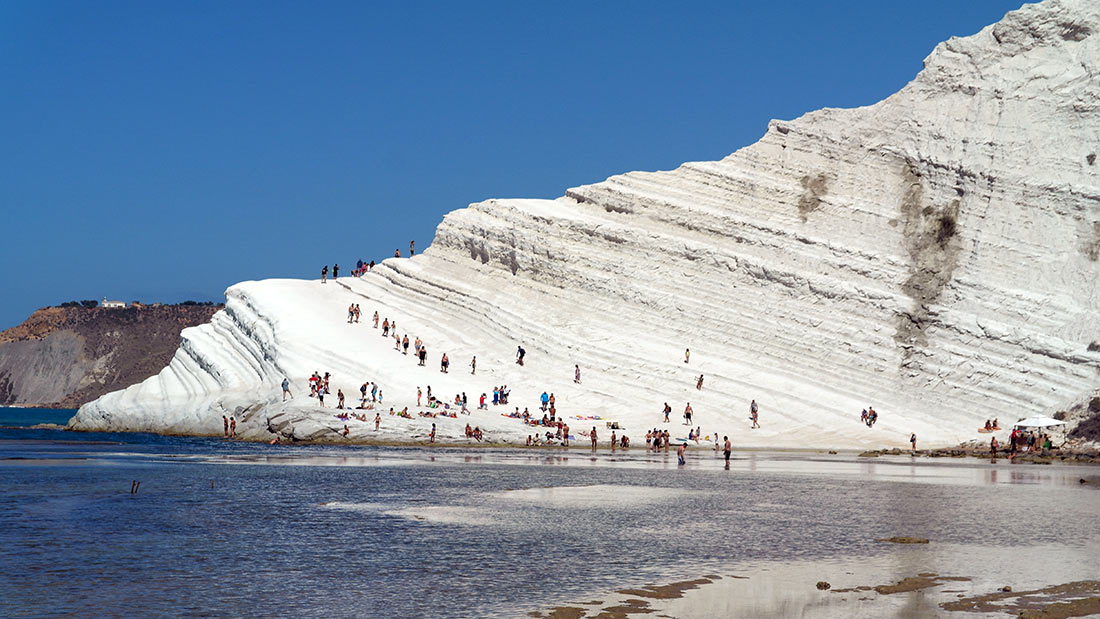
(935, 255)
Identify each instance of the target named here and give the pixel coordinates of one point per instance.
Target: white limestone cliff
(934, 255)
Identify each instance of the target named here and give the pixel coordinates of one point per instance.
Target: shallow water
(232, 528)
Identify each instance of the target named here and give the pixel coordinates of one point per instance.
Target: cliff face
(67, 356)
(934, 255)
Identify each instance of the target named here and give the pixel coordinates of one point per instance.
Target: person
(668, 410)
(544, 398)
(863, 416)
(346, 430)
(624, 442)
(565, 435)
(691, 434)
(324, 274)
(613, 441)
(481, 405)
(993, 447)
(680, 451)
(405, 344)
(431, 437)
(443, 363)
(473, 365)
(988, 424)
(727, 448)
(286, 389)
(339, 398)
(375, 319)
(520, 353)
(687, 414)
(687, 354)
(665, 438)
(335, 270)
(412, 248)
(232, 427)
(225, 424)
(423, 355)
(754, 414)
(699, 383)
(351, 313)
(419, 393)
(377, 421)
(397, 253)
(577, 373)
(357, 312)
(593, 437)
(913, 440)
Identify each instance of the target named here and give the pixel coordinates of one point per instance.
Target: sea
(134, 524)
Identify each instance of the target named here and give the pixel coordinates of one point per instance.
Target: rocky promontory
(64, 357)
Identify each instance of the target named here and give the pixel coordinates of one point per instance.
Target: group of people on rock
(474, 433)
(869, 416)
(230, 424)
(362, 268)
(353, 313)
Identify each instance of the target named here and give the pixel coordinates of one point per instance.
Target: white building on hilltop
(107, 303)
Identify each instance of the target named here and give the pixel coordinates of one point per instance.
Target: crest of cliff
(65, 356)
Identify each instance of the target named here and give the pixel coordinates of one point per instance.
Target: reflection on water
(250, 529)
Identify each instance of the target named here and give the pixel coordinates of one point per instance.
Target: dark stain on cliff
(813, 189)
(930, 235)
(1092, 245)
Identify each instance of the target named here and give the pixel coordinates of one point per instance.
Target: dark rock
(824, 586)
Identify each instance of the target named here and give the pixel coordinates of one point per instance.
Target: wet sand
(1041, 582)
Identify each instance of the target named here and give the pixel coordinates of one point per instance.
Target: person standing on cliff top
(286, 389)
(412, 248)
(397, 253)
(324, 274)
(335, 270)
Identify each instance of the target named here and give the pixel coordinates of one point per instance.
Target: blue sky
(161, 151)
